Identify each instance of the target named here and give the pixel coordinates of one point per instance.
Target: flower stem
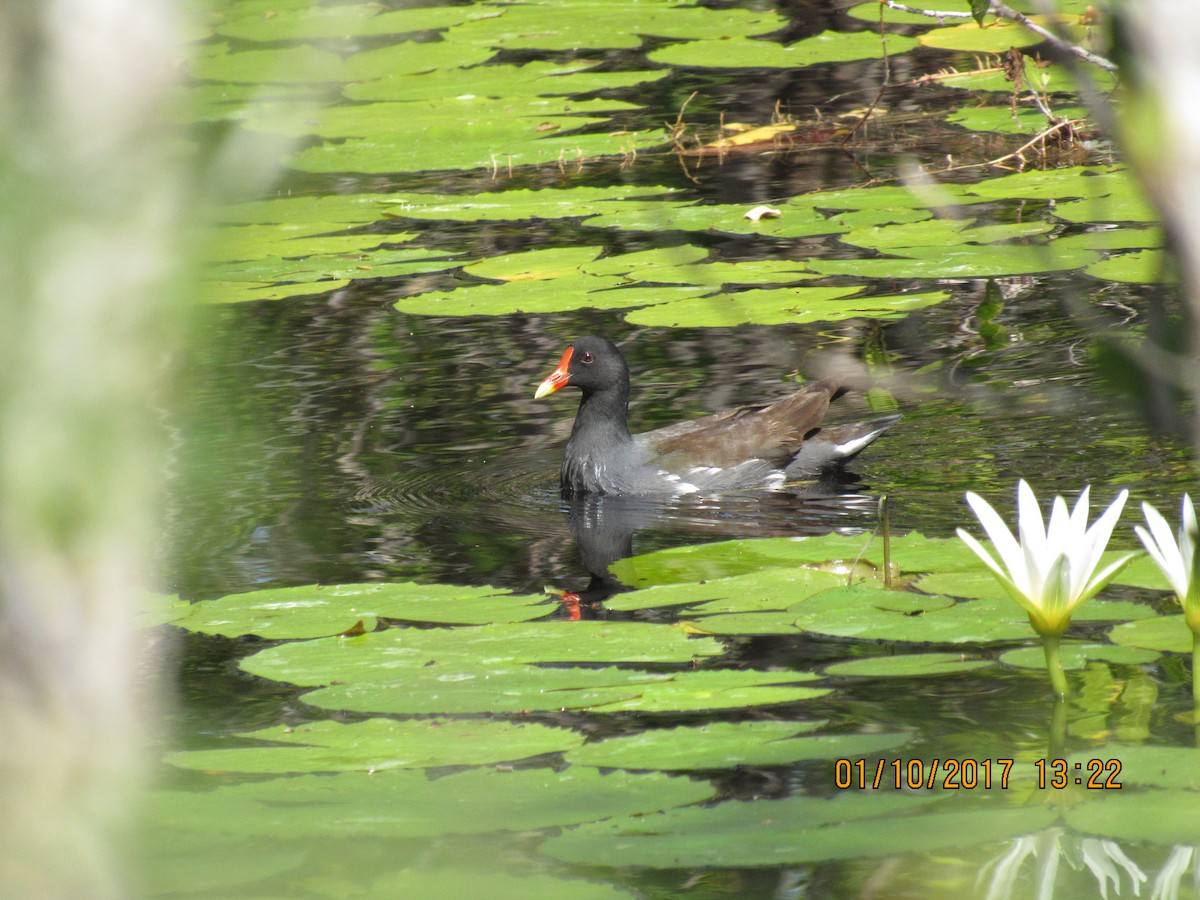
(1054, 666)
(1196, 669)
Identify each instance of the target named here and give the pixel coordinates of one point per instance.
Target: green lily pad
(1004, 120)
(1077, 656)
(493, 688)
(1167, 818)
(658, 266)
(251, 22)
(432, 882)
(907, 665)
(378, 657)
(761, 307)
(791, 831)
(946, 232)
(298, 64)
(531, 79)
(1142, 765)
(375, 745)
(841, 554)
(864, 614)
(997, 37)
(1164, 633)
(767, 589)
(828, 46)
(541, 295)
(1110, 237)
(607, 24)
(1144, 267)
(723, 745)
(407, 803)
(546, 203)
(1055, 184)
(255, 291)
(969, 261)
(318, 611)
(1124, 202)
(461, 132)
(520, 689)
(535, 265)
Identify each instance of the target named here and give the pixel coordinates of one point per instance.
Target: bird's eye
(587, 357)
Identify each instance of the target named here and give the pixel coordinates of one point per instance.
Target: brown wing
(774, 432)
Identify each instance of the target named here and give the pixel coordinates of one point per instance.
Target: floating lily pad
(969, 261)
(279, 22)
(857, 612)
(431, 882)
(768, 589)
(1165, 633)
(723, 745)
(839, 554)
(1110, 237)
(542, 295)
(1144, 267)
(298, 64)
(1004, 120)
(461, 132)
(535, 265)
(707, 274)
(511, 688)
(532, 79)
(379, 656)
(488, 688)
(760, 307)
(828, 46)
(608, 24)
(1156, 816)
(317, 611)
(254, 291)
(556, 203)
(1143, 765)
(791, 831)
(1077, 656)
(407, 803)
(997, 37)
(1055, 184)
(375, 745)
(946, 232)
(908, 665)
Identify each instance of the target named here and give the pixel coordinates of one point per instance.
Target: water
(333, 440)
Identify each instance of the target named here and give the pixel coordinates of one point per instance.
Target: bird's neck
(603, 412)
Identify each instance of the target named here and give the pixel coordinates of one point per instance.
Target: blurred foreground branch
(91, 207)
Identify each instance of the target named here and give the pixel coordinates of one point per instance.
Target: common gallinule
(748, 447)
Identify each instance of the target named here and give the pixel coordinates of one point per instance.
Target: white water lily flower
(1176, 555)
(1052, 569)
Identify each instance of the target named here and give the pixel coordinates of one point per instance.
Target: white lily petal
(1095, 542)
(1166, 550)
(1029, 513)
(1059, 530)
(1187, 531)
(1164, 565)
(1099, 581)
(1013, 589)
(1002, 539)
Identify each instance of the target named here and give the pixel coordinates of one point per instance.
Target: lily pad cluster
(359, 88)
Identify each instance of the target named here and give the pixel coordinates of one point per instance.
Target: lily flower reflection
(1051, 570)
